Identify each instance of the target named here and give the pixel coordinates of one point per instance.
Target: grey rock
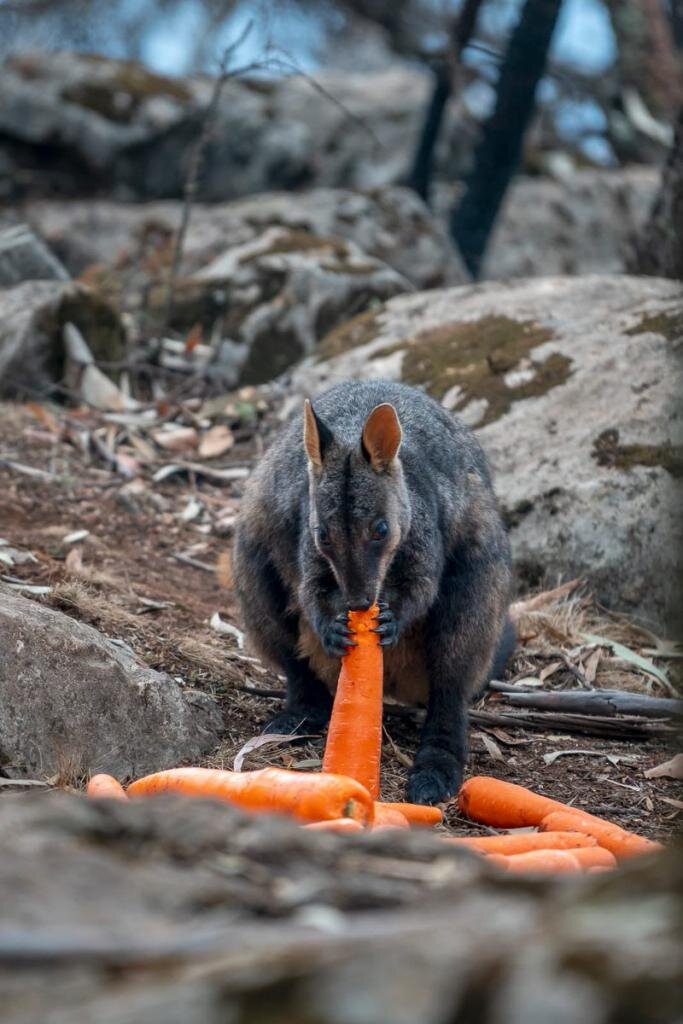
(73, 701)
(32, 315)
(390, 224)
(177, 910)
(23, 257)
(573, 386)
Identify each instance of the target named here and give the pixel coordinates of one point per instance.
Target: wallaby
(379, 495)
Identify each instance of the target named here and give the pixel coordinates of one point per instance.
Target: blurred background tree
(529, 83)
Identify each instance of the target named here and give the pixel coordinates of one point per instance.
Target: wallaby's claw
(388, 626)
(336, 637)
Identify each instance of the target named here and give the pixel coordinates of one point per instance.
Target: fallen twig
(601, 702)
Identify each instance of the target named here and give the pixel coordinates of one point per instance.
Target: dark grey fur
(443, 572)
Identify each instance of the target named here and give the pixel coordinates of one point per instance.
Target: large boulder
(184, 911)
(77, 124)
(32, 318)
(390, 224)
(573, 386)
(72, 701)
(584, 223)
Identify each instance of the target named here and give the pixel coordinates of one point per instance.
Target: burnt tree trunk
(659, 249)
(421, 174)
(498, 153)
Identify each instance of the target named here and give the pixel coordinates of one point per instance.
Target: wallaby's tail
(506, 647)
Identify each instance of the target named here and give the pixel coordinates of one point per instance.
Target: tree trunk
(421, 174)
(498, 152)
(659, 250)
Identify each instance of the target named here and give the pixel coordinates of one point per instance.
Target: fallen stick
(596, 701)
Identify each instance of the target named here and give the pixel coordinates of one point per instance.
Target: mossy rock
(669, 325)
(119, 96)
(477, 357)
(359, 330)
(607, 451)
(96, 319)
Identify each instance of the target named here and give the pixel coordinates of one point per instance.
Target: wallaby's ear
(316, 436)
(381, 438)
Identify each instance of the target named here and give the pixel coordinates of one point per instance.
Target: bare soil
(125, 578)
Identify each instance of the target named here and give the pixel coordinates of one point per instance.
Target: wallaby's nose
(360, 604)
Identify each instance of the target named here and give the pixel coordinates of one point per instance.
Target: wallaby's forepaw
(434, 781)
(336, 637)
(387, 625)
(303, 722)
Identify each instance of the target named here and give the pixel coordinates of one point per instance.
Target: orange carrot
(417, 814)
(612, 837)
(594, 857)
(335, 825)
(105, 787)
(354, 738)
(555, 862)
(387, 817)
(523, 842)
(302, 795)
(503, 804)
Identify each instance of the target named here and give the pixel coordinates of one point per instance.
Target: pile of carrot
(567, 839)
(344, 797)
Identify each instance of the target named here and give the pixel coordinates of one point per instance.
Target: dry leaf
(44, 416)
(224, 569)
(273, 738)
(215, 442)
(532, 604)
(194, 337)
(678, 804)
(73, 563)
(492, 747)
(625, 652)
(549, 670)
(220, 626)
(613, 759)
(672, 769)
(193, 509)
(176, 439)
(75, 537)
(590, 667)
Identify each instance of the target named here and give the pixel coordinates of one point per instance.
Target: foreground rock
(72, 701)
(184, 911)
(32, 318)
(573, 386)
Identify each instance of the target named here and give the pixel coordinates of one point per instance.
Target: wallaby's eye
(379, 531)
(323, 537)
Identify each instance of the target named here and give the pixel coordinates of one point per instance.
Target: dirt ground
(154, 568)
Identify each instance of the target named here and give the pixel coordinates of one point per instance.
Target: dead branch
(596, 701)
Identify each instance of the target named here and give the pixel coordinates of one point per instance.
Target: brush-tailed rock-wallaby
(379, 494)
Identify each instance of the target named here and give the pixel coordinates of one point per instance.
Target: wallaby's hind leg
(461, 633)
(275, 633)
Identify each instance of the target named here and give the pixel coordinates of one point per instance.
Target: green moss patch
(353, 333)
(476, 357)
(119, 95)
(607, 451)
(669, 325)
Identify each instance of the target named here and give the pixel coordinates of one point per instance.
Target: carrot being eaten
(354, 738)
(523, 842)
(305, 796)
(612, 837)
(105, 787)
